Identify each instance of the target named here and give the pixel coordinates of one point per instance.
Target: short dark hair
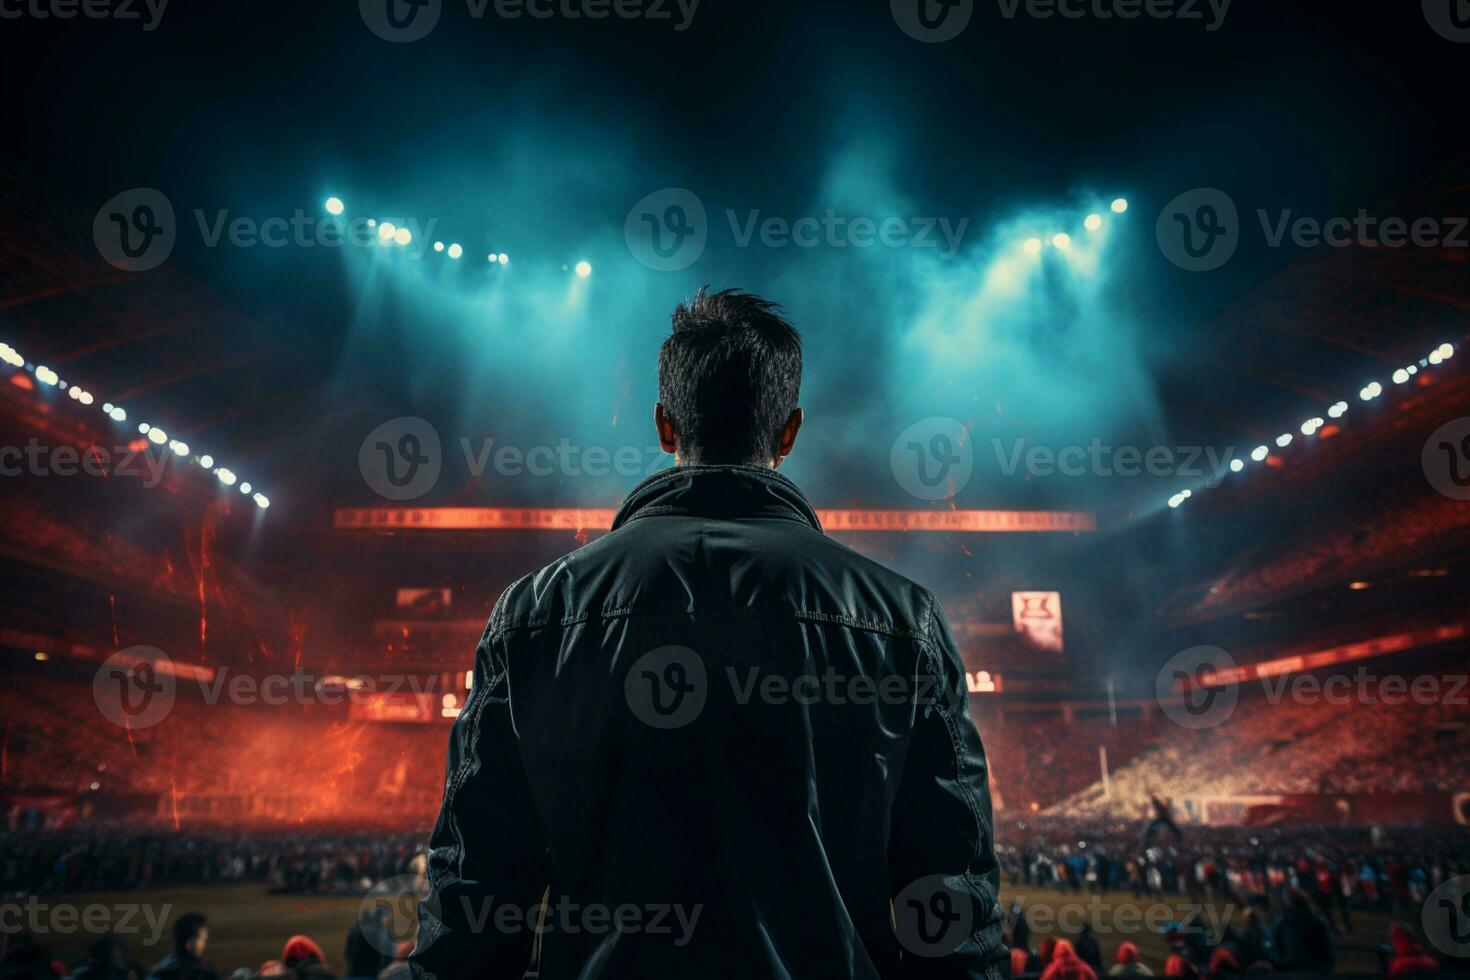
(729, 376)
(186, 927)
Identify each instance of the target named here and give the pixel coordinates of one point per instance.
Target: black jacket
(179, 965)
(719, 744)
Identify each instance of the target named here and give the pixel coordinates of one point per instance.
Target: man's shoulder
(638, 567)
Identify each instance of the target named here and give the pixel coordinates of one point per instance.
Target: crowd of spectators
(1397, 526)
(1290, 745)
(86, 860)
(189, 764)
(94, 553)
(1297, 889)
(370, 953)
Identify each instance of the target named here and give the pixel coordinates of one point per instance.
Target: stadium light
(1338, 410)
(1093, 222)
(438, 246)
(1260, 453)
(154, 434)
(1236, 465)
(584, 269)
(245, 489)
(504, 259)
(1120, 205)
(335, 206)
(1032, 246)
(403, 236)
(1401, 376)
(1283, 440)
(386, 231)
(455, 250)
(1061, 240)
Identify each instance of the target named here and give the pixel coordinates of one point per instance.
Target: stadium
(322, 328)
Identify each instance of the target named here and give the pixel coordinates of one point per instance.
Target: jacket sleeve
(942, 871)
(487, 860)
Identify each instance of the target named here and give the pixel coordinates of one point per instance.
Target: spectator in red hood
(1223, 963)
(1409, 958)
(305, 959)
(1065, 964)
(1179, 966)
(1126, 963)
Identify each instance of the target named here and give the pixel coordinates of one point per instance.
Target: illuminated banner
(1348, 653)
(424, 602)
(574, 519)
(1038, 618)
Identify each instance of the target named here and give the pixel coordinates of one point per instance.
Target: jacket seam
(931, 658)
(627, 612)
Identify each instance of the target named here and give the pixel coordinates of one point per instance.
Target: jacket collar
(730, 492)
